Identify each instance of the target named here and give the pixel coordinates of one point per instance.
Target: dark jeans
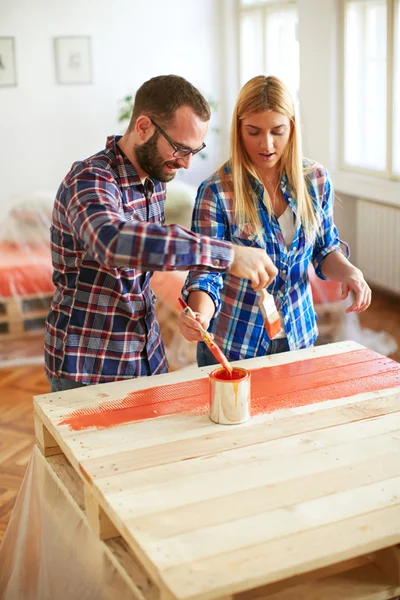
(60, 384)
(205, 358)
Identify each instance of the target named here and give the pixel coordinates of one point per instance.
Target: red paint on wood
(272, 388)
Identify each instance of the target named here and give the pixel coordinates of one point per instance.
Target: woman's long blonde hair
(257, 95)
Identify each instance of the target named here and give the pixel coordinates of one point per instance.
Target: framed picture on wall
(7, 62)
(73, 59)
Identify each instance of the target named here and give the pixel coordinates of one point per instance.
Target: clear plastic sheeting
(336, 326)
(380, 341)
(49, 551)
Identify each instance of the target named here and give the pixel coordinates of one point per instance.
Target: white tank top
(286, 223)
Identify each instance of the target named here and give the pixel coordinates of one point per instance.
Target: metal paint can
(229, 396)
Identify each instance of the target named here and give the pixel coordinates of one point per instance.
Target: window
(396, 91)
(371, 107)
(269, 42)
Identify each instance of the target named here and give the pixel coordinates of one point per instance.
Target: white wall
(45, 126)
(318, 65)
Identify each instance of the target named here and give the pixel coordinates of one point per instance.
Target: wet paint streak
(272, 388)
(103, 416)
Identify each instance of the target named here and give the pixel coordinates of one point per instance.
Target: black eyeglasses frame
(178, 152)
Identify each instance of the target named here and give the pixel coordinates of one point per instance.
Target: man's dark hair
(160, 97)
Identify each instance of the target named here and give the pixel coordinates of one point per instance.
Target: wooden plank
(97, 517)
(232, 439)
(367, 582)
(162, 525)
(287, 386)
(95, 443)
(58, 403)
(44, 439)
(296, 582)
(203, 479)
(268, 562)
(272, 525)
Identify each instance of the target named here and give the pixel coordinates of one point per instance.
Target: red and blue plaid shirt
(238, 323)
(107, 235)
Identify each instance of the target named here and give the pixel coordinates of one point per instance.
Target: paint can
(229, 396)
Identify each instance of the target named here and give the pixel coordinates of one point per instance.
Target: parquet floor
(18, 386)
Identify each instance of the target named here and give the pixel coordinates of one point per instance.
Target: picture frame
(73, 59)
(8, 76)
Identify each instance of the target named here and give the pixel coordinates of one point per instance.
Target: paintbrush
(209, 342)
(272, 320)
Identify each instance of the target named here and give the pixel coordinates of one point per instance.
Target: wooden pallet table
(301, 503)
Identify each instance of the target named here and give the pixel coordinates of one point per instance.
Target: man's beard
(151, 162)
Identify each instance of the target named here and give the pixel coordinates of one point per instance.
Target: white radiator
(378, 244)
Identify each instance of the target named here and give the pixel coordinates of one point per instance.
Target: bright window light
(251, 43)
(282, 56)
(365, 84)
(269, 42)
(396, 92)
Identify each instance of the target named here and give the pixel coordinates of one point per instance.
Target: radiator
(378, 244)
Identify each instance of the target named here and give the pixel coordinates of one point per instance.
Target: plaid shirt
(107, 232)
(238, 324)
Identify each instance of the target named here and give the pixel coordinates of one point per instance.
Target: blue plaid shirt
(238, 324)
(107, 235)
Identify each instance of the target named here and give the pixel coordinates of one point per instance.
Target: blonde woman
(267, 195)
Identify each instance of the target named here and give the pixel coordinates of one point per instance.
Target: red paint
(272, 328)
(272, 388)
(222, 375)
(221, 358)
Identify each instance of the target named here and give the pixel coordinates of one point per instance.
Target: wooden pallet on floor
(19, 314)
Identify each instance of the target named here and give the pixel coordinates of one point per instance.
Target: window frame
(264, 8)
(388, 173)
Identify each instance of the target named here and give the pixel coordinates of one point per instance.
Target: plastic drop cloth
(325, 292)
(49, 551)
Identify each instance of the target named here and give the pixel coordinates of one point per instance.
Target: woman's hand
(337, 268)
(355, 282)
(189, 327)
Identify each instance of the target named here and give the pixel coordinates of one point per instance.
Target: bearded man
(108, 236)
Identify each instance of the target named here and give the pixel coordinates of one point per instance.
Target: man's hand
(356, 283)
(253, 264)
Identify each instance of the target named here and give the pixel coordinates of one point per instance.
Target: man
(107, 236)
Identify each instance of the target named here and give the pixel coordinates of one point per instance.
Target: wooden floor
(19, 385)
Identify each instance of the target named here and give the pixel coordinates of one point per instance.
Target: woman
(267, 195)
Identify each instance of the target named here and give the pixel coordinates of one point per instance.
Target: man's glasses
(178, 152)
